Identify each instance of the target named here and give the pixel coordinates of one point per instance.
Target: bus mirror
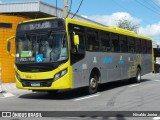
(9, 46)
(76, 40)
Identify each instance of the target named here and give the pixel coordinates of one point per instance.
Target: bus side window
(105, 42)
(123, 43)
(149, 47)
(92, 40)
(138, 46)
(81, 46)
(131, 43)
(115, 43)
(144, 46)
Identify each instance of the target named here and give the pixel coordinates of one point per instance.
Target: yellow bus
(54, 54)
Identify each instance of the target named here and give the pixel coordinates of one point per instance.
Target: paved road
(116, 96)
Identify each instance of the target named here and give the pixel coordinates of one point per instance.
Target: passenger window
(93, 42)
(105, 42)
(81, 46)
(131, 42)
(115, 43)
(149, 47)
(124, 43)
(138, 46)
(144, 46)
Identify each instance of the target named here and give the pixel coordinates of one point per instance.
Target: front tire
(93, 84)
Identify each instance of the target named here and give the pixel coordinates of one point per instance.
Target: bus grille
(42, 83)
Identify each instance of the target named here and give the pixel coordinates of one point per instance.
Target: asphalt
(116, 96)
(11, 87)
(9, 90)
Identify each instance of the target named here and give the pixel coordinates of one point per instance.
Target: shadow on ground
(76, 93)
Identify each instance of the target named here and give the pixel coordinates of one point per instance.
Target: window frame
(96, 35)
(121, 38)
(107, 34)
(131, 44)
(138, 48)
(117, 41)
(149, 47)
(144, 47)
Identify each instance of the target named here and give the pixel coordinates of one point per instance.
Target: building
(13, 13)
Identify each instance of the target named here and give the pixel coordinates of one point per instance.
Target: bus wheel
(138, 76)
(93, 84)
(52, 92)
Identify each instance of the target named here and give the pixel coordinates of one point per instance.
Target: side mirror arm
(9, 46)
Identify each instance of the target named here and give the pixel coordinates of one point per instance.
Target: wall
(6, 61)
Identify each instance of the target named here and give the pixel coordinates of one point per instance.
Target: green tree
(128, 25)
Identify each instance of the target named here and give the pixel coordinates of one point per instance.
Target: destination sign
(25, 59)
(36, 25)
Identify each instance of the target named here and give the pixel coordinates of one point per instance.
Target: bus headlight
(17, 76)
(60, 74)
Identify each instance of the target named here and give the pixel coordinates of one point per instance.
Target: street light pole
(65, 9)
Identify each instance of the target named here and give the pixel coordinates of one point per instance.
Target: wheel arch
(96, 71)
(139, 67)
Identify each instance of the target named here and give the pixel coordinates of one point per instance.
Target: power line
(78, 9)
(147, 7)
(155, 3)
(119, 5)
(151, 5)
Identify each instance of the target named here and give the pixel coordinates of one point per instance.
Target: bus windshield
(46, 47)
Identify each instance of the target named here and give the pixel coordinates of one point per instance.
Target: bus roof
(106, 28)
(39, 19)
(91, 25)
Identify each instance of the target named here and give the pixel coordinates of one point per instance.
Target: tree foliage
(128, 25)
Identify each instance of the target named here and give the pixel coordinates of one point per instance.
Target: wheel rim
(139, 76)
(93, 83)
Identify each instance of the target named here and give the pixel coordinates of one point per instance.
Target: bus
(54, 54)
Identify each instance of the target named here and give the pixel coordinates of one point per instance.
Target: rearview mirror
(76, 40)
(9, 46)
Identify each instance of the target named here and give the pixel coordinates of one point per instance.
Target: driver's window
(63, 54)
(81, 47)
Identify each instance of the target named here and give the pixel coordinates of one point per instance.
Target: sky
(144, 13)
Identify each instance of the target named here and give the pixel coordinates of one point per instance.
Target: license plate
(35, 84)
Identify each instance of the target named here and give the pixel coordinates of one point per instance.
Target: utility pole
(65, 9)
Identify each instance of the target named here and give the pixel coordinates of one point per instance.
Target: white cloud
(152, 30)
(111, 20)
